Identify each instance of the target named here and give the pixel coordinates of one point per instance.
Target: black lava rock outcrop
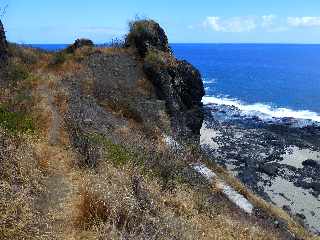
(176, 82)
(3, 45)
(182, 89)
(79, 43)
(145, 35)
(311, 163)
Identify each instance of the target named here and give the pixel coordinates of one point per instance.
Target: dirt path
(61, 183)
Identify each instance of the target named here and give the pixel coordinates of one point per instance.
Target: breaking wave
(262, 111)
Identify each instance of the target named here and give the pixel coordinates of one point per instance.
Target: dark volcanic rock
(287, 208)
(176, 82)
(79, 43)
(271, 169)
(266, 157)
(145, 35)
(311, 163)
(182, 89)
(3, 45)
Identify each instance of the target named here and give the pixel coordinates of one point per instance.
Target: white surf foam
(209, 80)
(263, 111)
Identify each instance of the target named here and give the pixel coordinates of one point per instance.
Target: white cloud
(214, 23)
(268, 21)
(303, 21)
(234, 24)
(273, 23)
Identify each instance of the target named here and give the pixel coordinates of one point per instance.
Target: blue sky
(217, 21)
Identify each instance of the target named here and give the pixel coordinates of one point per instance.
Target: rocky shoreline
(276, 159)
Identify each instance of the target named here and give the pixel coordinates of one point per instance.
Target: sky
(185, 21)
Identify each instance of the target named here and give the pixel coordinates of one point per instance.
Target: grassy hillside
(85, 155)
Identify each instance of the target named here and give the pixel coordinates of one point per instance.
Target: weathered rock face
(3, 45)
(182, 89)
(146, 35)
(79, 43)
(178, 83)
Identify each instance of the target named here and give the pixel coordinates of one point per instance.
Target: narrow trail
(56, 121)
(61, 183)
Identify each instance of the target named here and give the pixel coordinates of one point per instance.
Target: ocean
(264, 80)
(273, 80)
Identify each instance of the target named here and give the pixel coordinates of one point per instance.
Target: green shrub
(116, 153)
(164, 166)
(25, 54)
(155, 58)
(17, 72)
(16, 122)
(58, 58)
(139, 27)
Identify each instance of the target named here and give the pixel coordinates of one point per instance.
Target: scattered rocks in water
(301, 216)
(286, 208)
(270, 169)
(311, 163)
(259, 154)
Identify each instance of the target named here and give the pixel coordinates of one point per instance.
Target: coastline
(269, 157)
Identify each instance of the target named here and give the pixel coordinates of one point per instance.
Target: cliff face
(182, 89)
(3, 44)
(176, 82)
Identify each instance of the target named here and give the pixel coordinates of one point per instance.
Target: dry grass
(109, 205)
(147, 196)
(21, 181)
(112, 50)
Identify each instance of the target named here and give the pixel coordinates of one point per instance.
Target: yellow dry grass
(45, 195)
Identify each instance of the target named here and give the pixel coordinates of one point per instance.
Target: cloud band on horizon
(269, 23)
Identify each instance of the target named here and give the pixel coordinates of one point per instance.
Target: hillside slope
(101, 143)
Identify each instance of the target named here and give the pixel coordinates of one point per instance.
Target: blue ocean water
(48, 47)
(277, 80)
(274, 79)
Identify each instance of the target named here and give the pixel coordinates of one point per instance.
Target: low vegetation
(16, 122)
(111, 181)
(58, 59)
(155, 58)
(21, 180)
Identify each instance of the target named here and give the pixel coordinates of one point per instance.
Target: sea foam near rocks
(298, 118)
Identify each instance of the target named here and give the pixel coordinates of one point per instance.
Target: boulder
(270, 169)
(79, 43)
(311, 163)
(3, 45)
(145, 35)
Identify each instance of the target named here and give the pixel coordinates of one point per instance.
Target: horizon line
(199, 43)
